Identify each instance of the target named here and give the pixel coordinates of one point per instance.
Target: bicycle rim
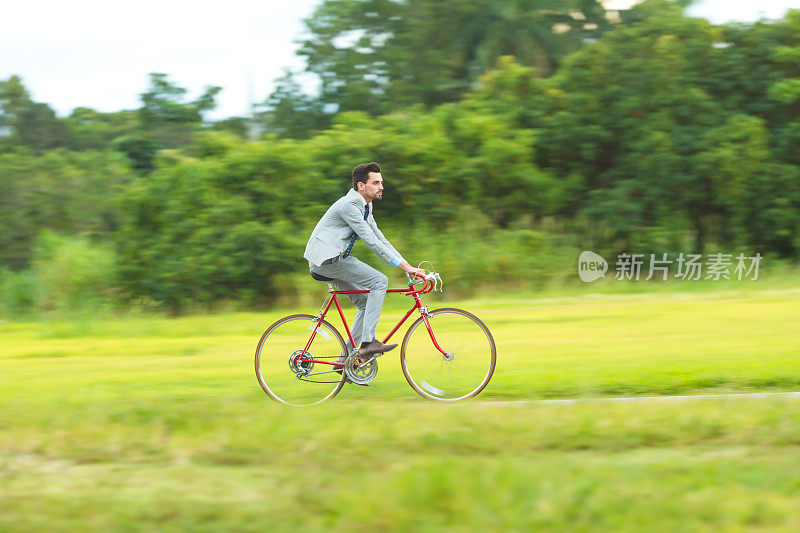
(276, 361)
(466, 368)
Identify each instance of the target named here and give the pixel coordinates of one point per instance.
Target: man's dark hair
(361, 172)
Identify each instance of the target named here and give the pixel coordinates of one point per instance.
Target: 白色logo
(591, 266)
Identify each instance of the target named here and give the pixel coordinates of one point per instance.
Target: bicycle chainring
(359, 370)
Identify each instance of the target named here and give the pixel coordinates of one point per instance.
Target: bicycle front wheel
(465, 367)
(283, 369)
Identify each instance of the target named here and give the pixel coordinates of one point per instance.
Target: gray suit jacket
(336, 228)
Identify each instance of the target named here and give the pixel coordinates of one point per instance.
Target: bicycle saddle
(320, 277)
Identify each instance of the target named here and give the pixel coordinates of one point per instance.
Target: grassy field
(148, 423)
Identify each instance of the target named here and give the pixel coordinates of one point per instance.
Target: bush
(68, 274)
(17, 293)
(471, 252)
(73, 274)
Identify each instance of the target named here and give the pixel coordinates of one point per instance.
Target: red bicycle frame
(410, 291)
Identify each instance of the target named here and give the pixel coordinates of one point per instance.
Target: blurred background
(531, 130)
(162, 166)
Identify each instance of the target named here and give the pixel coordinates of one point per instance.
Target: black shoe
(376, 347)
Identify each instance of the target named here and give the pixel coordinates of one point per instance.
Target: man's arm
(354, 216)
(381, 237)
(404, 265)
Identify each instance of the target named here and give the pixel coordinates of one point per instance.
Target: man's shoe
(376, 347)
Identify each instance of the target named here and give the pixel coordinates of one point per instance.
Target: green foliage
(437, 162)
(666, 134)
(163, 103)
(92, 130)
(31, 124)
(289, 112)
(217, 227)
(68, 192)
(473, 253)
(140, 149)
(380, 55)
(756, 58)
(68, 275)
(166, 121)
(18, 293)
(74, 274)
(239, 126)
(638, 118)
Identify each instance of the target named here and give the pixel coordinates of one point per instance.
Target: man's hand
(411, 270)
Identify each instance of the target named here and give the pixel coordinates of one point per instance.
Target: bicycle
(452, 358)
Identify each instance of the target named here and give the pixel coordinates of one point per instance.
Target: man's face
(373, 187)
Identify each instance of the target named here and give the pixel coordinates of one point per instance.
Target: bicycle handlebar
(433, 282)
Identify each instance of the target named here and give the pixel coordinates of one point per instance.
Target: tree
(93, 130)
(68, 192)
(166, 120)
(164, 103)
(200, 229)
(628, 117)
(290, 112)
(380, 55)
(167, 117)
(28, 123)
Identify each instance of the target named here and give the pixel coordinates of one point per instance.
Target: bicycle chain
(323, 357)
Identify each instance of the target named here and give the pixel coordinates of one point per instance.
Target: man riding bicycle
(329, 257)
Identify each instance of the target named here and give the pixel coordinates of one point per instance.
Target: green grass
(148, 423)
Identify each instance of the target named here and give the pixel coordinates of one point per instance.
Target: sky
(98, 54)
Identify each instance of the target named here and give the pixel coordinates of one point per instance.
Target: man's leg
(377, 283)
(360, 301)
(350, 272)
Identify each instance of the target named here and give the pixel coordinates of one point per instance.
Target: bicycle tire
(476, 356)
(284, 386)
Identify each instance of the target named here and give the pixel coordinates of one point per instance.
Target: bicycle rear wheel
(280, 368)
(467, 364)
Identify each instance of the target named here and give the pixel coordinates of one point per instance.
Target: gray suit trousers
(350, 274)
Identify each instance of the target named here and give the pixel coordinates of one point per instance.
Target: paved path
(659, 398)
